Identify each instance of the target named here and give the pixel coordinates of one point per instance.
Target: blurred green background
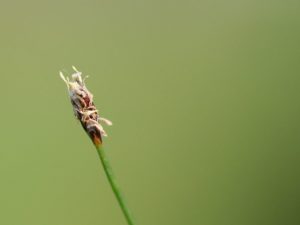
(204, 96)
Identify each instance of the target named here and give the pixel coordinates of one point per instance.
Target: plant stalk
(112, 180)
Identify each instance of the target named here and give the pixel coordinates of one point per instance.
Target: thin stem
(112, 180)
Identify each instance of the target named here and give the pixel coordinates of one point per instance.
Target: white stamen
(102, 131)
(87, 76)
(74, 68)
(63, 78)
(77, 78)
(106, 121)
(86, 114)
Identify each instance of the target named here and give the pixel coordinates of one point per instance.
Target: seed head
(84, 107)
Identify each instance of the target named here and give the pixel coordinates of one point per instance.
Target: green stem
(112, 180)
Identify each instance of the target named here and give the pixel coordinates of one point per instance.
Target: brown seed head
(84, 108)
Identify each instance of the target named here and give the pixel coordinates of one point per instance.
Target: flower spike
(84, 107)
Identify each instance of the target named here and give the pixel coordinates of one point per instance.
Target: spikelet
(84, 107)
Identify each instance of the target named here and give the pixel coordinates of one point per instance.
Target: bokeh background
(204, 96)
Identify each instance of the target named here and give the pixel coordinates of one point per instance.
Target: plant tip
(84, 107)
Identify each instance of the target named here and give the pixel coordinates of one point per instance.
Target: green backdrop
(204, 96)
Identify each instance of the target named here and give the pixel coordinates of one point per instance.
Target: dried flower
(84, 108)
